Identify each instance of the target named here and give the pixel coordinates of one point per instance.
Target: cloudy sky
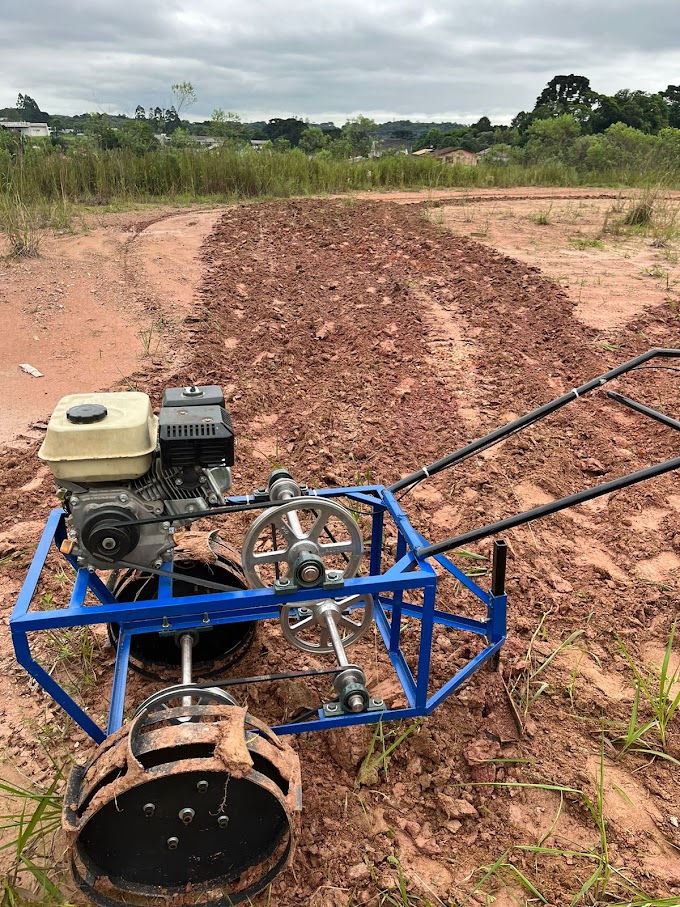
(330, 59)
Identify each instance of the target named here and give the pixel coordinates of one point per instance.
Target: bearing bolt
(149, 809)
(223, 821)
(186, 815)
(172, 843)
(202, 787)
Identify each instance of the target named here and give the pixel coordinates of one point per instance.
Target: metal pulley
(307, 627)
(302, 543)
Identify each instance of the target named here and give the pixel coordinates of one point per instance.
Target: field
(356, 340)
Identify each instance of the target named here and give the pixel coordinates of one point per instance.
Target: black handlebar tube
(645, 410)
(530, 418)
(475, 535)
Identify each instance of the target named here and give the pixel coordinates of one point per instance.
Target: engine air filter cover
(196, 436)
(194, 395)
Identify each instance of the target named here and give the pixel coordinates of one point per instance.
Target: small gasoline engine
(188, 797)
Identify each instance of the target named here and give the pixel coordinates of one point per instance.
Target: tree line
(569, 122)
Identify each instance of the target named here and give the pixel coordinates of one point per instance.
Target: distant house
(258, 144)
(455, 156)
(206, 141)
(423, 152)
(393, 145)
(28, 130)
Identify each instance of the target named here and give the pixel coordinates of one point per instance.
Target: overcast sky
(330, 59)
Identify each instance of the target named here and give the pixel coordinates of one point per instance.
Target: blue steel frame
(168, 612)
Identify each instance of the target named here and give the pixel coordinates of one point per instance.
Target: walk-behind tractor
(188, 797)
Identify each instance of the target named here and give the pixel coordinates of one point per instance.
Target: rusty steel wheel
(157, 655)
(194, 802)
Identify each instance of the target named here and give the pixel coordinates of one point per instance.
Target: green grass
(659, 689)
(598, 879)
(104, 178)
(29, 830)
(583, 244)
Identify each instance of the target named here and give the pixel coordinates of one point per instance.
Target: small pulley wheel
(306, 626)
(157, 655)
(290, 541)
(203, 812)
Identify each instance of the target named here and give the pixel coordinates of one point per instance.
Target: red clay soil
(356, 342)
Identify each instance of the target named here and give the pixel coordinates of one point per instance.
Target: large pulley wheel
(158, 655)
(201, 811)
(299, 540)
(306, 626)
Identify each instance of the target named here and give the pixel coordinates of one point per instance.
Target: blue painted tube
(119, 682)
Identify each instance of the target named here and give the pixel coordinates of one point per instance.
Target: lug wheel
(197, 804)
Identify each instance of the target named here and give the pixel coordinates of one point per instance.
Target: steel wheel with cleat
(195, 802)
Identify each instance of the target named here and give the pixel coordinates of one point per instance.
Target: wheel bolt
(172, 843)
(202, 787)
(186, 815)
(223, 821)
(149, 809)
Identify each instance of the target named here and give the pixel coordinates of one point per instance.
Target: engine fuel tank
(100, 437)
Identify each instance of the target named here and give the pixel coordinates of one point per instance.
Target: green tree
(671, 97)
(227, 126)
(184, 96)
(179, 138)
(172, 121)
(621, 146)
(553, 139)
(564, 92)
(290, 128)
(313, 139)
(643, 111)
(433, 138)
(99, 130)
(29, 111)
(140, 113)
(360, 133)
(137, 136)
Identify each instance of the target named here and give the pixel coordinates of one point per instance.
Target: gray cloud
(331, 59)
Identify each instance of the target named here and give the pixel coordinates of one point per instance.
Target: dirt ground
(356, 341)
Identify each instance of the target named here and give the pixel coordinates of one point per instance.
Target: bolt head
(202, 787)
(223, 821)
(186, 815)
(149, 809)
(172, 843)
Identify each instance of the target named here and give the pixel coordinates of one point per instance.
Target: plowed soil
(357, 341)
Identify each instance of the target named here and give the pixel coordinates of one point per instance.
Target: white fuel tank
(100, 437)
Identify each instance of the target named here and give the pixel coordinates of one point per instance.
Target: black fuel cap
(86, 413)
